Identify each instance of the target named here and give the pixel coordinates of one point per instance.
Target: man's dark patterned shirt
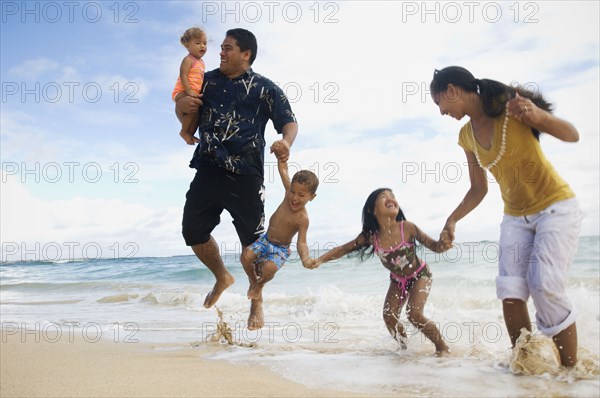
(233, 118)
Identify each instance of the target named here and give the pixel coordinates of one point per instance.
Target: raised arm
(282, 166)
(542, 120)
(433, 245)
(476, 193)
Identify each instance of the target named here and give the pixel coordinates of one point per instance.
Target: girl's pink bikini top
(395, 258)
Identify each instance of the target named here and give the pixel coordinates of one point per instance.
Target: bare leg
(177, 111)
(391, 314)
(189, 125)
(193, 124)
(256, 319)
(417, 298)
(267, 271)
(516, 317)
(248, 260)
(566, 343)
(209, 254)
(189, 122)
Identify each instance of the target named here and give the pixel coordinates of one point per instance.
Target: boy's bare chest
(284, 224)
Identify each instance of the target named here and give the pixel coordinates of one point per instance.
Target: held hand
(445, 243)
(523, 109)
(189, 104)
(447, 235)
(192, 93)
(281, 149)
(311, 263)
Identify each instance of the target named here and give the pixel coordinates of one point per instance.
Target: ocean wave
(171, 298)
(26, 286)
(117, 298)
(43, 302)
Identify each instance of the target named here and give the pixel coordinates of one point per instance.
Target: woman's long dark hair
(369, 223)
(494, 94)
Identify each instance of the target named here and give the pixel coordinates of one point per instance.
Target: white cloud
(33, 69)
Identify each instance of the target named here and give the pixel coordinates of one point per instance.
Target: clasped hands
(281, 149)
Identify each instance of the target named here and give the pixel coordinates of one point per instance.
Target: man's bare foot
(218, 288)
(256, 319)
(255, 291)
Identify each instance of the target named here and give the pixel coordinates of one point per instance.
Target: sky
(93, 166)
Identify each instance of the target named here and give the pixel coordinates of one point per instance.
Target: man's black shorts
(215, 189)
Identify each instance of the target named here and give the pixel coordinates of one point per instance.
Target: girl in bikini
(388, 235)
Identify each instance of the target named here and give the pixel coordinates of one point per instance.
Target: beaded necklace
(502, 145)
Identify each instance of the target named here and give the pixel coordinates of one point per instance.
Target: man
(235, 105)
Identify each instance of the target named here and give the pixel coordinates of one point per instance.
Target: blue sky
(92, 163)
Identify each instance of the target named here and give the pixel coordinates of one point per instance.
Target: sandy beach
(107, 369)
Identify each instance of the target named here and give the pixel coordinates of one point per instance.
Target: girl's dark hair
(493, 94)
(369, 222)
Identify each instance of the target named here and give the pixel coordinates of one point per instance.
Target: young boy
(263, 258)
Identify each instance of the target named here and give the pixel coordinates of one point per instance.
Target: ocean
(323, 327)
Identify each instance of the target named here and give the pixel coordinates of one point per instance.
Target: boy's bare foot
(218, 288)
(442, 354)
(255, 291)
(256, 319)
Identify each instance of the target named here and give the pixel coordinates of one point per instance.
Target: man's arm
(281, 148)
(189, 104)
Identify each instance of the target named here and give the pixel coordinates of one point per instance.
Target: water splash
(533, 355)
(537, 355)
(225, 333)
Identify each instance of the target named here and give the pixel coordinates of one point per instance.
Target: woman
(540, 229)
